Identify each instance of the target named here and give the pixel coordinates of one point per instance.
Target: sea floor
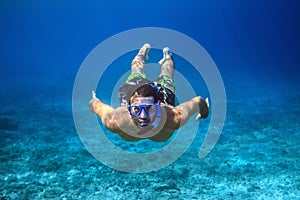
(256, 157)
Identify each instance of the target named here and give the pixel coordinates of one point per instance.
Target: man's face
(142, 110)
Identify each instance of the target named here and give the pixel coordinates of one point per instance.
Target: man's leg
(166, 77)
(138, 63)
(167, 64)
(137, 75)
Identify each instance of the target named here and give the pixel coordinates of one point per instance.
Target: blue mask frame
(143, 106)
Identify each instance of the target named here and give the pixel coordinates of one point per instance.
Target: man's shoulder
(167, 107)
(122, 109)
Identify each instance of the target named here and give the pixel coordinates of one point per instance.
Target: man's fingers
(206, 100)
(198, 117)
(93, 94)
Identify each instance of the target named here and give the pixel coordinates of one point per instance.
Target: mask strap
(153, 85)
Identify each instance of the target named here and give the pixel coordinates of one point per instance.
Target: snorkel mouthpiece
(144, 124)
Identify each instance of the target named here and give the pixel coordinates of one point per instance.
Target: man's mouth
(143, 123)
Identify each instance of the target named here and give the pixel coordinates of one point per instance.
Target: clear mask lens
(137, 109)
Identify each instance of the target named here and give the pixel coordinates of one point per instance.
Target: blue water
(256, 47)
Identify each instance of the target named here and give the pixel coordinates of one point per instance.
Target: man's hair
(146, 90)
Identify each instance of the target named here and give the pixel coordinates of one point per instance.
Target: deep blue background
(44, 42)
(254, 43)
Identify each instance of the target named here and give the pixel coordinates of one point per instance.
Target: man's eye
(150, 109)
(136, 109)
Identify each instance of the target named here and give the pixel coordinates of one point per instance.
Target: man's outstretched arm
(189, 108)
(104, 111)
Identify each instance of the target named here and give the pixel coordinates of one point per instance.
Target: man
(148, 108)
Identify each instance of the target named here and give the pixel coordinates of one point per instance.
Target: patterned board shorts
(165, 85)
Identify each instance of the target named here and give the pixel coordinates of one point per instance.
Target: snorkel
(158, 116)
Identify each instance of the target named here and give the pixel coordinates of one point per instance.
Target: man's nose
(143, 114)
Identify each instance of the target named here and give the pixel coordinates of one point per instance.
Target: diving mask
(148, 108)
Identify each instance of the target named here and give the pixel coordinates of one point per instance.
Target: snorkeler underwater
(148, 108)
(147, 100)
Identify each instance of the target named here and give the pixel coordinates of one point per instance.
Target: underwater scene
(54, 53)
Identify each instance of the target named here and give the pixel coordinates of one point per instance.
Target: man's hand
(93, 94)
(203, 109)
(91, 103)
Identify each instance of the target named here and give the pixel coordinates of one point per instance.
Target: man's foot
(166, 55)
(144, 50)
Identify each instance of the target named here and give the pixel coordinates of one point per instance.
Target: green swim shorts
(135, 75)
(166, 82)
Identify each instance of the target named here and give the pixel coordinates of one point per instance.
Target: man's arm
(116, 120)
(184, 111)
(104, 111)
